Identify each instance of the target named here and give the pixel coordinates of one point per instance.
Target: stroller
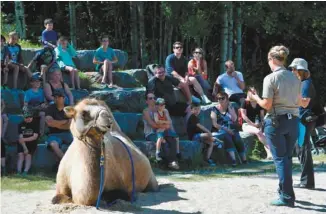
(318, 141)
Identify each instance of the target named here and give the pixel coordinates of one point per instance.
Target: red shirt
(193, 64)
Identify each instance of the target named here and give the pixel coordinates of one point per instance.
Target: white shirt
(229, 83)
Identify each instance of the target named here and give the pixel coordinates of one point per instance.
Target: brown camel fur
(78, 177)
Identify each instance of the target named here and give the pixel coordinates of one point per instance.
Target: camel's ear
(70, 111)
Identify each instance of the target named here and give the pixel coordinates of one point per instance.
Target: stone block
(122, 100)
(129, 123)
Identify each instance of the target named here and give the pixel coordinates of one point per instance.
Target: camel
(78, 177)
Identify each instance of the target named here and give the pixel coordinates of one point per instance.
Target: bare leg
(208, 139)
(15, 69)
(108, 66)
(197, 87)
(23, 144)
(42, 122)
(158, 147)
(58, 152)
(186, 91)
(4, 118)
(20, 162)
(28, 162)
(77, 79)
(261, 138)
(105, 72)
(5, 76)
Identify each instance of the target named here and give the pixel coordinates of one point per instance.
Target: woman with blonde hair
(307, 123)
(281, 98)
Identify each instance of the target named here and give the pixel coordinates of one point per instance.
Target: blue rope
(102, 176)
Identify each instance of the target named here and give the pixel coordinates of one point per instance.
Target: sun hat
(299, 64)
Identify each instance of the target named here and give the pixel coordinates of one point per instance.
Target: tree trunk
(230, 39)
(239, 39)
(72, 21)
(91, 23)
(153, 49)
(170, 32)
(20, 19)
(143, 55)
(224, 40)
(133, 26)
(161, 34)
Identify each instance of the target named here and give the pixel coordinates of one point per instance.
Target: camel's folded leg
(62, 195)
(152, 185)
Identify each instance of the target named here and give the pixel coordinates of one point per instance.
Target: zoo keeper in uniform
(281, 98)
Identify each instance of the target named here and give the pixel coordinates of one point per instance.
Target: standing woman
(281, 98)
(300, 69)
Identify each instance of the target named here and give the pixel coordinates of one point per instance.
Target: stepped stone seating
(127, 103)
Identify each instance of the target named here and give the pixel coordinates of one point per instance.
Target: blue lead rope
(102, 175)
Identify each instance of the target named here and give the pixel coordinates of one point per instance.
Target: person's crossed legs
(107, 73)
(74, 77)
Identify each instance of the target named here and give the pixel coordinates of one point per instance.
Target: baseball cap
(36, 76)
(27, 112)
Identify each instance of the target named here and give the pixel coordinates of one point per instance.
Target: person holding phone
(281, 124)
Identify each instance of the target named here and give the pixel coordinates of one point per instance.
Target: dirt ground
(245, 194)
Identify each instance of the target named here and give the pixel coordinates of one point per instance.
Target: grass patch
(29, 44)
(29, 183)
(319, 158)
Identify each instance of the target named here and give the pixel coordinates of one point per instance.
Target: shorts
(31, 146)
(166, 133)
(60, 138)
(197, 137)
(3, 150)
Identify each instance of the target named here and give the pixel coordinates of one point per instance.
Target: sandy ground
(215, 195)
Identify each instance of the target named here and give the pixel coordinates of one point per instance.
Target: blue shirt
(101, 55)
(34, 98)
(307, 91)
(15, 53)
(49, 36)
(64, 57)
(172, 63)
(4, 52)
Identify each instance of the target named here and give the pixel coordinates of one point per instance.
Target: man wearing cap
(34, 99)
(58, 124)
(307, 124)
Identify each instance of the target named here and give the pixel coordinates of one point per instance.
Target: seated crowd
(49, 94)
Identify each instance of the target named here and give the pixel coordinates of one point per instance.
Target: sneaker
(157, 156)
(211, 162)
(179, 156)
(24, 174)
(205, 100)
(174, 165)
(234, 163)
(279, 202)
(302, 186)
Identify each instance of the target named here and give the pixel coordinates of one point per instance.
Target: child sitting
(49, 36)
(35, 100)
(28, 134)
(162, 117)
(15, 56)
(197, 132)
(64, 55)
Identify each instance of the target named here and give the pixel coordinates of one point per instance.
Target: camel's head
(90, 118)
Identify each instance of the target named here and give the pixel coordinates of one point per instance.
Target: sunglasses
(106, 40)
(220, 98)
(151, 98)
(178, 47)
(198, 52)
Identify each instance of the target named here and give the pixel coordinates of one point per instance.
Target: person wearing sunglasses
(104, 59)
(197, 67)
(232, 83)
(281, 98)
(299, 67)
(224, 120)
(170, 149)
(177, 66)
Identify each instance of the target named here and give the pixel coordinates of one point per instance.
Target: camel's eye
(86, 116)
